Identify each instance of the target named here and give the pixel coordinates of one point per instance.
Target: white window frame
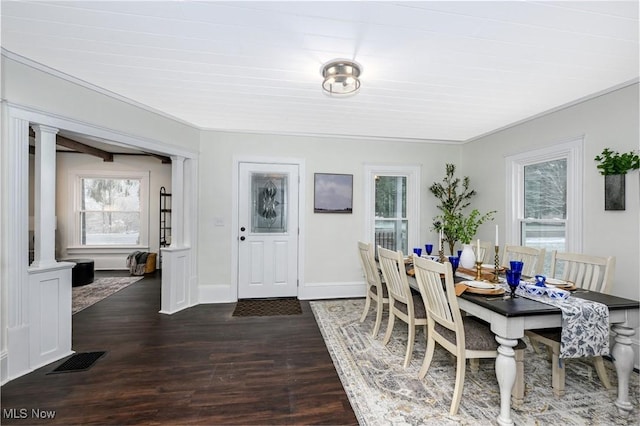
(572, 151)
(76, 191)
(412, 173)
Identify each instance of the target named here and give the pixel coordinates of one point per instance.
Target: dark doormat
(78, 362)
(267, 307)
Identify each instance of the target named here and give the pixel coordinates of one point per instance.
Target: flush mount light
(341, 77)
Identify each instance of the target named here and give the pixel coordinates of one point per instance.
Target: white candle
(497, 236)
(440, 241)
(478, 248)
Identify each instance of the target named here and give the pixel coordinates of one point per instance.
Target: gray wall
(331, 257)
(607, 121)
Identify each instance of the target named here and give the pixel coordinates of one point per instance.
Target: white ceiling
(435, 70)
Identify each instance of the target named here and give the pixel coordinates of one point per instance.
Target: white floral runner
(585, 325)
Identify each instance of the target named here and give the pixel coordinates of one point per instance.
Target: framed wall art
(333, 193)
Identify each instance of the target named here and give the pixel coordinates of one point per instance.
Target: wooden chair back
(439, 299)
(395, 276)
(369, 267)
(487, 252)
(585, 271)
(533, 258)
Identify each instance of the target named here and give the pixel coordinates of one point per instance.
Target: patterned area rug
(383, 393)
(89, 294)
(267, 307)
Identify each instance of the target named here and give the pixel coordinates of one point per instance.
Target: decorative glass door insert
(269, 203)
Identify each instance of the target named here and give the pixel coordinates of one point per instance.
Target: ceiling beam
(85, 149)
(163, 158)
(80, 147)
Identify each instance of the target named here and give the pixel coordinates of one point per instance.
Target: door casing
(235, 234)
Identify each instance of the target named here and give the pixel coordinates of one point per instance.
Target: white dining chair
(466, 337)
(376, 290)
(533, 258)
(403, 304)
(487, 252)
(587, 272)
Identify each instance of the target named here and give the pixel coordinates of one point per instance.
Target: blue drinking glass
(459, 254)
(428, 248)
(516, 265)
(417, 251)
(454, 260)
(513, 279)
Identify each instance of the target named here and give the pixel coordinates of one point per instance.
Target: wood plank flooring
(199, 366)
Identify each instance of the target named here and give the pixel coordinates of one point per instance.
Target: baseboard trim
(334, 290)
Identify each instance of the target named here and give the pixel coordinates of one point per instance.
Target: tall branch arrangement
(454, 195)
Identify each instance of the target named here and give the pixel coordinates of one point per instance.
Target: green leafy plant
(468, 226)
(614, 163)
(454, 195)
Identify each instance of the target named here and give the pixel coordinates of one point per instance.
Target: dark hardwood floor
(198, 366)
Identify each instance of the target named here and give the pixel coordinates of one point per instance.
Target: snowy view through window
(110, 212)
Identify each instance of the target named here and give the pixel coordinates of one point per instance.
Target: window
(545, 198)
(111, 209)
(392, 195)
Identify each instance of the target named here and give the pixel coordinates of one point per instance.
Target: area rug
(381, 392)
(267, 307)
(87, 295)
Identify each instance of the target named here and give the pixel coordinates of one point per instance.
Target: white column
(14, 303)
(45, 196)
(177, 201)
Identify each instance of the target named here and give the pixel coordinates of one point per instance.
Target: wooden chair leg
(428, 356)
(517, 393)
(535, 344)
(367, 305)
(474, 364)
(410, 341)
(379, 307)
(557, 373)
(457, 390)
(387, 335)
(602, 372)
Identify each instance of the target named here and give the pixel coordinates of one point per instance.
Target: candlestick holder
(441, 255)
(496, 269)
(478, 271)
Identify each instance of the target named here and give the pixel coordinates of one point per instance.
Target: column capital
(45, 129)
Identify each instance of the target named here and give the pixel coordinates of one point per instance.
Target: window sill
(71, 251)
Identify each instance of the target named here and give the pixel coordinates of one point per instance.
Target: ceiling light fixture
(341, 77)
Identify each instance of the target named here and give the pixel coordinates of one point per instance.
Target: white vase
(467, 258)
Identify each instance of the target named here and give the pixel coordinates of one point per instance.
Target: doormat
(267, 307)
(78, 362)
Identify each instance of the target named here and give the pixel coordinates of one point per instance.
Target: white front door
(268, 230)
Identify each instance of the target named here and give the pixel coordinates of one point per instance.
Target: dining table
(510, 317)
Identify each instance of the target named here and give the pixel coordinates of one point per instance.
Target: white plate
(555, 281)
(478, 284)
(488, 266)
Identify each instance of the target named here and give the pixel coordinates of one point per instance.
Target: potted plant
(454, 195)
(614, 166)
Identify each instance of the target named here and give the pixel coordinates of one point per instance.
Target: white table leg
(622, 353)
(506, 375)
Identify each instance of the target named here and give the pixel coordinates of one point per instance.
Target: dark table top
(522, 306)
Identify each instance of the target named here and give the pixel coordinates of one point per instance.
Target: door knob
(242, 238)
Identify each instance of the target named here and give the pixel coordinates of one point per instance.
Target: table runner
(585, 325)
